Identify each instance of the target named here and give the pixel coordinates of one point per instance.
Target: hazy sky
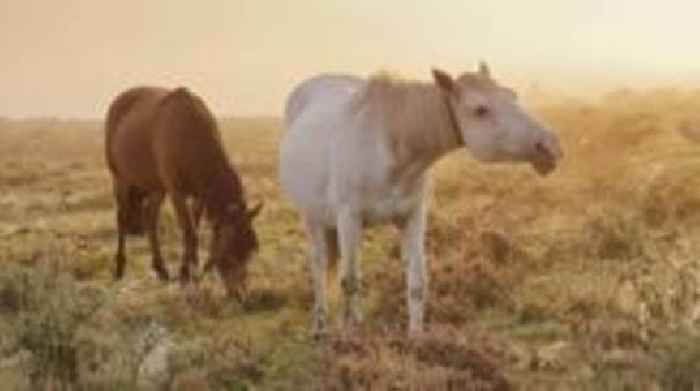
(70, 57)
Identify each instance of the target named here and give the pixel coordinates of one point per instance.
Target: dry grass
(586, 280)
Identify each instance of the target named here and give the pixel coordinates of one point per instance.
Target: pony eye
(481, 111)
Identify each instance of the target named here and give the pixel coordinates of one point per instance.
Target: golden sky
(70, 57)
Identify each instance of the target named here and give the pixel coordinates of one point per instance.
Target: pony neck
(443, 133)
(223, 189)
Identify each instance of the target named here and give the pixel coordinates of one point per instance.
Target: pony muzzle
(545, 157)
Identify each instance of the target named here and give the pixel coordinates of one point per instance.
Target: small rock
(154, 371)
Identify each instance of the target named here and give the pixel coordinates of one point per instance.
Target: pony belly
(388, 210)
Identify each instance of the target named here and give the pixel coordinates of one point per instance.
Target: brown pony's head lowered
(233, 242)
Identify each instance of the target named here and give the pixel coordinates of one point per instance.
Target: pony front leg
(413, 256)
(318, 264)
(349, 235)
(197, 211)
(189, 234)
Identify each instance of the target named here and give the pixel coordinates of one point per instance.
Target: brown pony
(160, 142)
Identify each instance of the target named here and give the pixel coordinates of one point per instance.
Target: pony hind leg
(151, 215)
(124, 217)
(131, 201)
(319, 256)
(349, 235)
(120, 258)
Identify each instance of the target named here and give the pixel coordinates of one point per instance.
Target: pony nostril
(543, 150)
(539, 147)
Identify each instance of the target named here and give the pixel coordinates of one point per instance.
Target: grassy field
(585, 280)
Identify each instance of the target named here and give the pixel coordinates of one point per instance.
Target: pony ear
(484, 70)
(252, 213)
(444, 80)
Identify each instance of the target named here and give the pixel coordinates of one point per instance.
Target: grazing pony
(159, 142)
(356, 153)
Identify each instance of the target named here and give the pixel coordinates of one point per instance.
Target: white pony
(356, 153)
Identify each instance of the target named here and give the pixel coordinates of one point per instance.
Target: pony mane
(477, 82)
(413, 113)
(224, 184)
(197, 112)
(196, 108)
